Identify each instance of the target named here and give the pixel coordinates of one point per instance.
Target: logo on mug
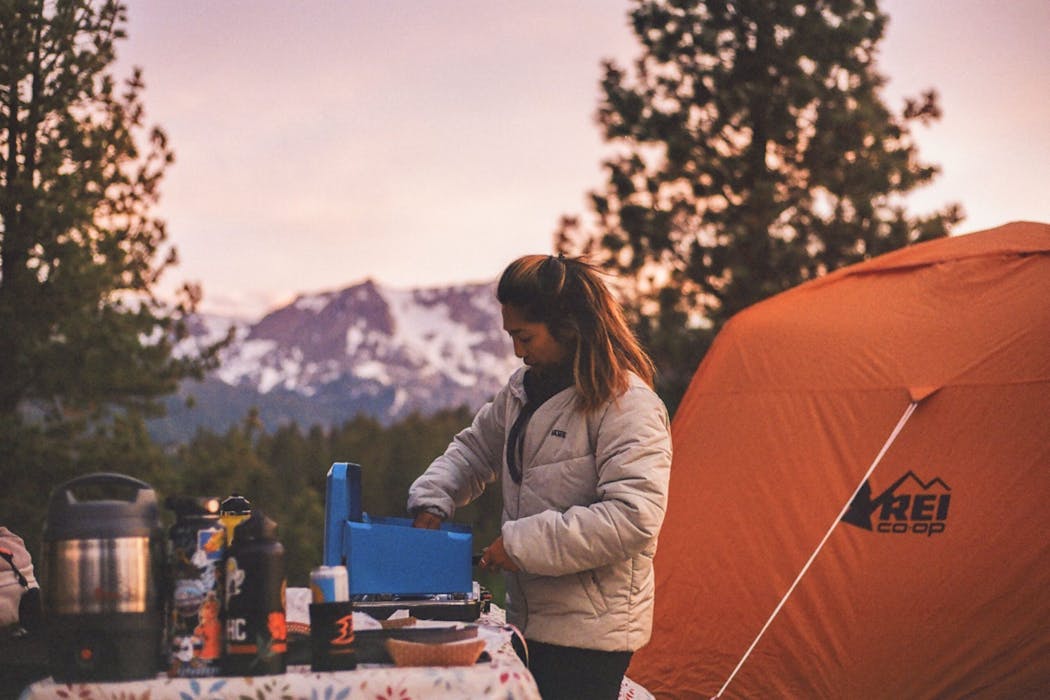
(345, 624)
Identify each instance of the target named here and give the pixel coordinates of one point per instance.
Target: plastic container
(387, 556)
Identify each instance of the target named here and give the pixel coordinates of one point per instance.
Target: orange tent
(856, 504)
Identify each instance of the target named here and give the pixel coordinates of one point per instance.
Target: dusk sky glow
(429, 143)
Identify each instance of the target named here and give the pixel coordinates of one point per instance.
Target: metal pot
(101, 579)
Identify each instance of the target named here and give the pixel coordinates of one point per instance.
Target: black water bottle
(256, 633)
(197, 545)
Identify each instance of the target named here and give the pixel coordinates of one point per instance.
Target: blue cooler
(387, 556)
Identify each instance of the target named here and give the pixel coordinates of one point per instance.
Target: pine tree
(80, 250)
(752, 152)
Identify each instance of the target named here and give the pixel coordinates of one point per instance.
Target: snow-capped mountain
(369, 349)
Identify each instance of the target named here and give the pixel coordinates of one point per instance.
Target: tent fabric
(935, 583)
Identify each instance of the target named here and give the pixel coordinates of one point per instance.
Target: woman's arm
(472, 460)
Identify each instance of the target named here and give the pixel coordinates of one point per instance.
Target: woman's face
(533, 341)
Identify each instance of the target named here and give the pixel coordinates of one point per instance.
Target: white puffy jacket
(583, 523)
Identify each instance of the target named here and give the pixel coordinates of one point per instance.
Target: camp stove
(394, 566)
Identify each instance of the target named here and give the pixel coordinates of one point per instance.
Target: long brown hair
(569, 296)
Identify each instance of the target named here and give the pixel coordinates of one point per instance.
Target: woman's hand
(427, 520)
(494, 557)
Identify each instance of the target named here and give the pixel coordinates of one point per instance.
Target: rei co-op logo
(909, 506)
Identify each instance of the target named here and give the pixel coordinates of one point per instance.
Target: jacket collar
(517, 383)
(517, 388)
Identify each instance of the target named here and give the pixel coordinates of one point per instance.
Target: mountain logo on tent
(910, 505)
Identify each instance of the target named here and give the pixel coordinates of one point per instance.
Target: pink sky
(429, 143)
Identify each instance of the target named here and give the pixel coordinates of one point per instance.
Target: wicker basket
(463, 653)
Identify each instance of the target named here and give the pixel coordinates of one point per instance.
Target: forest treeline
(282, 473)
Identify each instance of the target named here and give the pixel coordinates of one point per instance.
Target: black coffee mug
(332, 636)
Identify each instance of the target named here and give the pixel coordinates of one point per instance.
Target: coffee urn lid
(103, 505)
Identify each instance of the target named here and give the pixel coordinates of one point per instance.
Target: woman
(581, 443)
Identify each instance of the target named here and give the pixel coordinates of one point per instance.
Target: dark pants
(577, 674)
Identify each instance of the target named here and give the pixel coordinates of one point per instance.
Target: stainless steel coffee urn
(103, 552)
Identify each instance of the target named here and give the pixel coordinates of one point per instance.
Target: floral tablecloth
(503, 677)
(497, 679)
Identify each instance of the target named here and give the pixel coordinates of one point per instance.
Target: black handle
(101, 479)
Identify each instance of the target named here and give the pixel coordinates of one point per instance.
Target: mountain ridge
(327, 357)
